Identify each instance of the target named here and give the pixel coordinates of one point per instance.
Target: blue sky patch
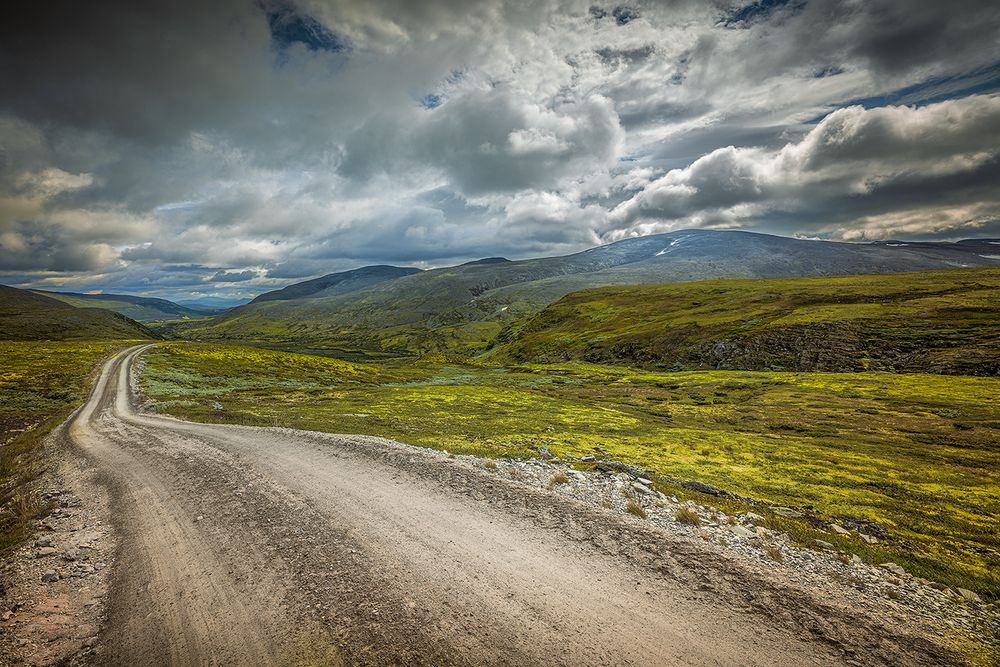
(936, 89)
(431, 101)
(288, 26)
(758, 11)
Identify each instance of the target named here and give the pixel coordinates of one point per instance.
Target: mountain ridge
(27, 315)
(138, 308)
(460, 308)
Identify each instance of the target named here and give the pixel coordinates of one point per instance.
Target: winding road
(251, 546)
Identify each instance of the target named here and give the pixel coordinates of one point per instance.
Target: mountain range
(392, 311)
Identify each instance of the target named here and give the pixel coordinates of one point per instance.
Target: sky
(192, 148)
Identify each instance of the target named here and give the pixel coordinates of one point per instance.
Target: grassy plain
(916, 455)
(41, 383)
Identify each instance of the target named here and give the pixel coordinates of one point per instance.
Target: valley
(816, 418)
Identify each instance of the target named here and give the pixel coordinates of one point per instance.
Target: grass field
(918, 455)
(933, 321)
(41, 383)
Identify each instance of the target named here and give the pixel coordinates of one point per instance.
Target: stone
(216, 406)
(46, 551)
(588, 457)
(840, 530)
(50, 576)
(741, 531)
(870, 539)
(894, 568)
(45, 542)
(643, 480)
(788, 513)
(753, 517)
(823, 544)
(967, 595)
(938, 586)
(640, 487)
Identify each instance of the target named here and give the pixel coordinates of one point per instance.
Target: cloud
(491, 140)
(232, 276)
(290, 138)
(855, 154)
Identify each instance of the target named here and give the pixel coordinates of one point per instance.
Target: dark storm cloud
(232, 276)
(237, 144)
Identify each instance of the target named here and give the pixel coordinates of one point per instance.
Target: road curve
(246, 545)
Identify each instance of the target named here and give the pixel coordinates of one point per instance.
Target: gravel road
(246, 545)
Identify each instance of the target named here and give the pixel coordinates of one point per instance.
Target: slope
(26, 315)
(937, 321)
(139, 308)
(337, 283)
(459, 309)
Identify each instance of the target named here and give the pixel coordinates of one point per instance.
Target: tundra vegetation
(728, 392)
(911, 459)
(41, 383)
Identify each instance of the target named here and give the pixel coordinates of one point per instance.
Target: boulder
(967, 595)
(894, 568)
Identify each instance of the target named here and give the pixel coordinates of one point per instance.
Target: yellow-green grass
(936, 321)
(40, 384)
(916, 454)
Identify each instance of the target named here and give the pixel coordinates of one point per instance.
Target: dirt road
(244, 545)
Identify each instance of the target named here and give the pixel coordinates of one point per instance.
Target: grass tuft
(635, 509)
(688, 515)
(557, 479)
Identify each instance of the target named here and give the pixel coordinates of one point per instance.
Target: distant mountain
(27, 315)
(337, 283)
(928, 322)
(139, 308)
(211, 304)
(461, 308)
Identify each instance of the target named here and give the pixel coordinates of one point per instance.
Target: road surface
(247, 545)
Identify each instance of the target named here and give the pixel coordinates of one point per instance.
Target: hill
(139, 308)
(27, 315)
(937, 322)
(460, 309)
(337, 283)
